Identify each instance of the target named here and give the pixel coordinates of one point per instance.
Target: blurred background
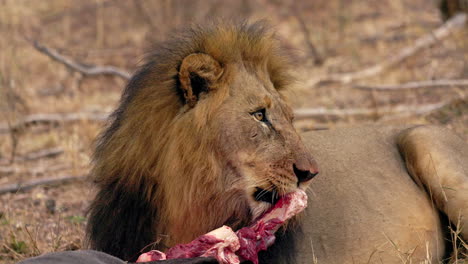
(64, 63)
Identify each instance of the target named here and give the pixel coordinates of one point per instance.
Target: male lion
(203, 137)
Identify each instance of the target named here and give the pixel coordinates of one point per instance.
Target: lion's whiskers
(274, 196)
(264, 191)
(258, 183)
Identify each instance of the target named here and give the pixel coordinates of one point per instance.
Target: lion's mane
(155, 161)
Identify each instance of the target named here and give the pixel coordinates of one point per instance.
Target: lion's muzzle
(304, 175)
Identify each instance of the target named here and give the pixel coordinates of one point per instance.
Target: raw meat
(261, 234)
(152, 255)
(221, 243)
(229, 247)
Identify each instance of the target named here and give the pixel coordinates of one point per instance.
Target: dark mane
(125, 214)
(235, 41)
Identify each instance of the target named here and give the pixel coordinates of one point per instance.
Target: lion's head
(202, 137)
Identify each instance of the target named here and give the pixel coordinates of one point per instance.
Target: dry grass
(349, 35)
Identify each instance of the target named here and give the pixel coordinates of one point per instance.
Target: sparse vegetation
(346, 36)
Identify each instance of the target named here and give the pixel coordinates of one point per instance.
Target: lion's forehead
(255, 88)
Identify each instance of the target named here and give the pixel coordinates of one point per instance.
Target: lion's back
(364, 206)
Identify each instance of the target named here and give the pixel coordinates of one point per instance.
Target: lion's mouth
(268, 196)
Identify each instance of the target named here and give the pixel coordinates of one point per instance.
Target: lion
(204, 137)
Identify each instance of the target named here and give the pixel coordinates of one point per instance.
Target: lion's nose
(305, 174)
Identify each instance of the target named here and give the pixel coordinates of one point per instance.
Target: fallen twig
(76, 10)
(456, 22)
(20, 187)
(82, 68)
(414, 85)
(52, 119)
(402, 109)
(318, 60)
(146, 14)
(43, 153)
(7, 170)
(427, 111)
(42, 170)
(303, 113)
(14, 252)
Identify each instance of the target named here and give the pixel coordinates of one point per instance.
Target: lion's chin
(262, 200)
(258, 208)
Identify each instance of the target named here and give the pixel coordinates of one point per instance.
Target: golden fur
(164, 152)
(202, 134)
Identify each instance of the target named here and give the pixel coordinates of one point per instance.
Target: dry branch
(402, 109)
(303, 113)
(19, 187)
(43, 153)
(48, 119)
(456, 22)
(40, 170)
(76, 10)
(318, 60)
(7, 170)
(90, 70)
(414, 85)
(146, 14)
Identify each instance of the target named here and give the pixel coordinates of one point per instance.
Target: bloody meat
(230, 247)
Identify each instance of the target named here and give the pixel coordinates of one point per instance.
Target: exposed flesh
(230, 247)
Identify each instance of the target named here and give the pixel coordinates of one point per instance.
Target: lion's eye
(260, 115)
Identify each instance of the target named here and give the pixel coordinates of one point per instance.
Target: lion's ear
(198, 72)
